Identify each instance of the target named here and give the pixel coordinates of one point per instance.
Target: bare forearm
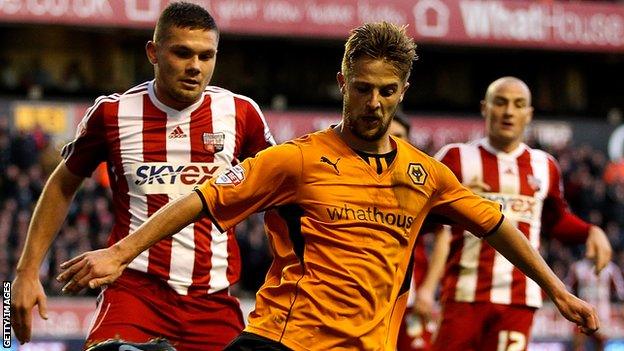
(512, 244)
(49, 215)
(167, 221)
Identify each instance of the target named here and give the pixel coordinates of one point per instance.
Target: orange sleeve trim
(493, 230)
(207, 211)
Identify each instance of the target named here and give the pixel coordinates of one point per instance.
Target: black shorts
(252, 342)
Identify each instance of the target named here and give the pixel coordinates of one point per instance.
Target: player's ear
(407, 85)
(150, 50)
(483, 107)
(341, 81)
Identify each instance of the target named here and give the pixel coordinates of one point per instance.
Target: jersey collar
(171, 112)
(512, 154)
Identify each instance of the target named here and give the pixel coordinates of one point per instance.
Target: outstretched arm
(516, 248)
(100, 267)
(48, 217)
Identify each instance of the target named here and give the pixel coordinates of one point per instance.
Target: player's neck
(170, 102)
(380, 146)
(504, 145)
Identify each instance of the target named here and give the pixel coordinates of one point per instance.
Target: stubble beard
(366, 135)
(185, 95)
(179, 94)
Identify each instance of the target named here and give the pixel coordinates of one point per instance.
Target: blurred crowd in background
(593, 188)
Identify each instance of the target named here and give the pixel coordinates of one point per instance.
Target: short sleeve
(255, 128)
(454, 201)
(449, 156)
(555, 202)
(88, 149)
(557, 219)
(267, 180)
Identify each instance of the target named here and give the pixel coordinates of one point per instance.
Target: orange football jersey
(341, 234)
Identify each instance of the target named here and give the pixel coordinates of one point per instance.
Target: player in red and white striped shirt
(159, 140)
(488, 304)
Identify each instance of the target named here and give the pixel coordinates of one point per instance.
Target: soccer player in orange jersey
(343, 209)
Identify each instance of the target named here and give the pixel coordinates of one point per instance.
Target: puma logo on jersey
(333, 164)
(177, 133)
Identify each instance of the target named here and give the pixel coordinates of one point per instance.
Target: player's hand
(26, 292)
(598, 248)
(579, 312)
(423, 306)
(92, 269)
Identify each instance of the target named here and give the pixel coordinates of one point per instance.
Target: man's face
(371, 91)
(184, 61)
(507, 111)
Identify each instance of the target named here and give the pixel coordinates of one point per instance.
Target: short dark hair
(381, 40)
(183, 15)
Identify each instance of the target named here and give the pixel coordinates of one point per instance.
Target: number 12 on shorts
(511, 340)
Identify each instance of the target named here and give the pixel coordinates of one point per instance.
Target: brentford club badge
(213, 142)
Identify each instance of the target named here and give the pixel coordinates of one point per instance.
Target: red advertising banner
(552, 25)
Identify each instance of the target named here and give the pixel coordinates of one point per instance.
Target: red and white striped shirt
(526, 182)
(155, 154)
(420, 267)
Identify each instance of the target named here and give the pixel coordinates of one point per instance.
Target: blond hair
(380, 40)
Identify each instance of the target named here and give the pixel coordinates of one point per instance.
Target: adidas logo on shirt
(177, 133)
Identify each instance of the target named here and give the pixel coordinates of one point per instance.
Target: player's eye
(387, 92)
(362, 89)
(207, 56)
(499, 102)
(183, 53)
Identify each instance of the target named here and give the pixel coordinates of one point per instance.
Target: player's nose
(374, 100)
(193, 65)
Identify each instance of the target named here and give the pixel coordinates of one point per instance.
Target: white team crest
(232, 176)
(213, 142)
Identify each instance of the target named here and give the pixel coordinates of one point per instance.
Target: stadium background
(56, 56)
